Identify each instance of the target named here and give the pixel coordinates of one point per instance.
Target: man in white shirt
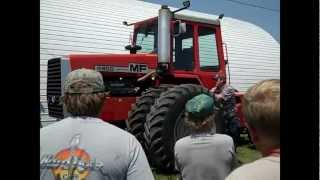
(261, 109)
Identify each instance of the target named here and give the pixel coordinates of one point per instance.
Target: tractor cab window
(146, 37)
(208, 55)
(182, 54)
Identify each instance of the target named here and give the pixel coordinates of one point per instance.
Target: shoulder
(240, 173)
(182, 142)
(95, 126)
(225, 138)
(98, 126)
(109, 131)
(56, 125)
(224, 141)
(245, 171)
(256, 169)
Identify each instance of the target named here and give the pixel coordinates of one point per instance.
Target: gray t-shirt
(90, 149)
(205, 156)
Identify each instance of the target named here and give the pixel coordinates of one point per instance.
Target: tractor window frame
(185, 59)
(213, 56)
(140, 29)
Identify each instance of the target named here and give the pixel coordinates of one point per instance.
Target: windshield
(146, 37)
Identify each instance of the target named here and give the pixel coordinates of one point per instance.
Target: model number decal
(103, 68)
(132, 68)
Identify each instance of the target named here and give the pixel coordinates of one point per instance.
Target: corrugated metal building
(95, 26)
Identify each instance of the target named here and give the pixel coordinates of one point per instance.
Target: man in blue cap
(204, 154)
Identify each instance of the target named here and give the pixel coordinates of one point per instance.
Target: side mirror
(226, 61)
(186, 3)
(179, 28)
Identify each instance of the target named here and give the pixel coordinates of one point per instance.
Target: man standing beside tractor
(226, 102)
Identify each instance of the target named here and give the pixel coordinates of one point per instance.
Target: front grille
(54, 88)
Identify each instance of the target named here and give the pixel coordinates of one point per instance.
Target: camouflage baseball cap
(200, 106)
(83, 81)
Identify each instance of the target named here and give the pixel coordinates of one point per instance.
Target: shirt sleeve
(177, 164)
(138, 164)
(234, 160)
(228, 177)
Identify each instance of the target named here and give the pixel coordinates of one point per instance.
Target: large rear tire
(165, 124)
(137, 115)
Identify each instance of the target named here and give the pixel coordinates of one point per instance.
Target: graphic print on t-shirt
(71, 163)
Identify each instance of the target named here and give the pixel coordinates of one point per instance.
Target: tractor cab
(188, 48)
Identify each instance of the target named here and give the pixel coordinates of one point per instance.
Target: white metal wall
(95, 26)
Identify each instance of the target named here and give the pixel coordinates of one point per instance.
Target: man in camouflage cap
(204, 154)
(83, 81)
(83, 146)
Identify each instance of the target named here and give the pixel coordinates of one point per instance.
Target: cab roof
(186, 18)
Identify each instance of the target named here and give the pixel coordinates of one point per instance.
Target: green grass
(164, 177)
(245, 154)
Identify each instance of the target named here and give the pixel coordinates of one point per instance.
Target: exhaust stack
(164, 19)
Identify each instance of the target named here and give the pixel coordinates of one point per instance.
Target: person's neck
(84, 117)
(204, 131)
(267, 148)
(274, 151)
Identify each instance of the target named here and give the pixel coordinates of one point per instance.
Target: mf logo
(138, 68)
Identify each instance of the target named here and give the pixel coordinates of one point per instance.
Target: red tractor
(172, 59)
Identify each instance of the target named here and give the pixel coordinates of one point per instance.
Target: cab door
(209, 54)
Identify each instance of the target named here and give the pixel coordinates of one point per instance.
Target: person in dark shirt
(226, 100)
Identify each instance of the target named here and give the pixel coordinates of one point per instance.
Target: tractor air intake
(58, 69)
(54, 88)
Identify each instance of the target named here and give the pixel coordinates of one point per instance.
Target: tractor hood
(115, 63)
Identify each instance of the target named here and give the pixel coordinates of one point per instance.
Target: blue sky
(268, 19)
